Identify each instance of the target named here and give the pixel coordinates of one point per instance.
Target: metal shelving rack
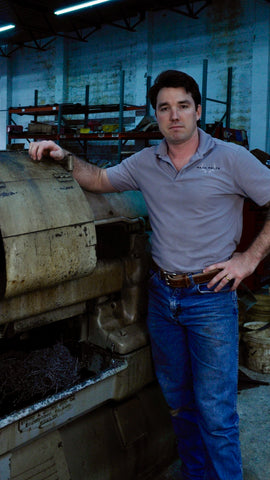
(59, 111)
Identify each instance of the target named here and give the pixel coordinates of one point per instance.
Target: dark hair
(174, 79)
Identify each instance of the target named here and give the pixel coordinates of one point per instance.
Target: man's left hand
(237, 268)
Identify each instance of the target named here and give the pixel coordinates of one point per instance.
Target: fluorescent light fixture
(79, 6)
(6, 27)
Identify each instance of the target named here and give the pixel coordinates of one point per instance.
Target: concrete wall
(234, 33)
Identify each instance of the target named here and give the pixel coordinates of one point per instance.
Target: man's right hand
(46, 149)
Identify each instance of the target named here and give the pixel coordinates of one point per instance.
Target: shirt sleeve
(252, 176)
(124, 175)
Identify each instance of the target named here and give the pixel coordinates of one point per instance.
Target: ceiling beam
(128, 15)
(127, 23)
(190, 10)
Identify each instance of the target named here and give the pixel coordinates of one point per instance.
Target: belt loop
(188, 280)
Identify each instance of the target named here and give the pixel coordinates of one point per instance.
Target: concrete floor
(254, 414)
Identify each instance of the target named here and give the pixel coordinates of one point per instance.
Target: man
(194, 187)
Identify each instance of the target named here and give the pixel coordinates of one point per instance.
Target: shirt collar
(206, 144)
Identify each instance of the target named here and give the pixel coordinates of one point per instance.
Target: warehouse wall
(232, 33)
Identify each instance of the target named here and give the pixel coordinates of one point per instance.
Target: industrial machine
(78, 396)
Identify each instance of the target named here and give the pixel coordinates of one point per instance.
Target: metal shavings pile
(29, 377)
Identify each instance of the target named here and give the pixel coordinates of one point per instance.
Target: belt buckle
(168, 276)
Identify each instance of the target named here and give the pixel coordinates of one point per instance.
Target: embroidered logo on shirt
(208, 169)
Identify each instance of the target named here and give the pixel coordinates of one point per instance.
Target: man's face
(176, 114)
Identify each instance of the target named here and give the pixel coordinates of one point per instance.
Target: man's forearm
(89, 176)
(260, 247)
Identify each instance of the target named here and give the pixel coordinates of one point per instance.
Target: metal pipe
(121, 112)
(148, 85)
(204, 93)
(229, 98)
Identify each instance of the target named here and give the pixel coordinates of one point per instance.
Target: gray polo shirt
(196, 213)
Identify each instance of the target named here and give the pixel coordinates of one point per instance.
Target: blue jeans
(194, 339)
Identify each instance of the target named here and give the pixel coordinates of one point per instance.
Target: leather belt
(183, 280)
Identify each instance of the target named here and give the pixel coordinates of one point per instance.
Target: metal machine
(73, 274)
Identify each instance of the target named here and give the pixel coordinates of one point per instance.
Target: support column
(5, 99)
(267, 148)
(260, 111)
(61, 89)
